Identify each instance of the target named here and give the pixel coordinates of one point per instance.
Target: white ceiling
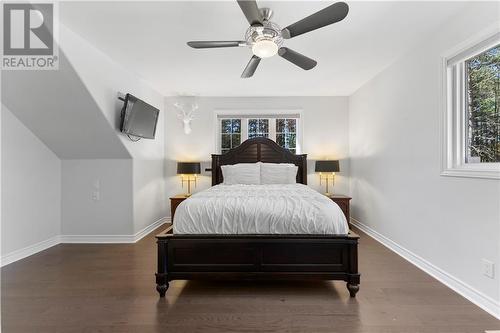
(150, 39)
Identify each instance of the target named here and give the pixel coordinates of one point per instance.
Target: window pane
(280, 139)
(226, 126)
(287, 140)
(252, 126)
(286, 125)
(483, 102)
(291, 140)
(280, 125)
(236, 125)
(291, 124)
(226, 141)
(235, 140)
(263, 125)
(293, 151)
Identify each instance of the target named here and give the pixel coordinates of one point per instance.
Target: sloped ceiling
(57, 107)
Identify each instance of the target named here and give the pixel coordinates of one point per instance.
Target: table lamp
(327, 171)
(188, 172)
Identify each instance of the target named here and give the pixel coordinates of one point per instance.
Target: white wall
(150, 200)
(31, 187)
(324, 123)
(105, 80)
(112, 211)
(395, 164)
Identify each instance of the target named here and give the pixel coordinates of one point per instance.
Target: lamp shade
(188, 168)
(327, 166)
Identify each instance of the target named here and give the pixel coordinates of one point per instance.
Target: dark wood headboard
(258, 150)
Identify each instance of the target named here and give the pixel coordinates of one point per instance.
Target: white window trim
(264, 113)
(453, 118)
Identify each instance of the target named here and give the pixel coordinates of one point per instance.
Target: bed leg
(162, 288)
(162, 275)
(353, 288)
(353, 275)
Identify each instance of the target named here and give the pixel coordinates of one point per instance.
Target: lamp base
(327, 188)
(188, 180)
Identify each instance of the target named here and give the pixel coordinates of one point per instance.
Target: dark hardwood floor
(111, 288)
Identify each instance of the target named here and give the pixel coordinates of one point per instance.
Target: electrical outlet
(488, 268)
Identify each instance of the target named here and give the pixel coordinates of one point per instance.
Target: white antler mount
(186, 114)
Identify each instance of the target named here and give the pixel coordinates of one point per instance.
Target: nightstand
(343, 202)
(174, 202)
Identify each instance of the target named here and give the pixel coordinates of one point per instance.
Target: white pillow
(274, 173)
(241, 173)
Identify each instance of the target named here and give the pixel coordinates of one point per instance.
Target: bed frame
(288, 257)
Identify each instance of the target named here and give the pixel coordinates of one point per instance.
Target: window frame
(454, 109)
(246, 114)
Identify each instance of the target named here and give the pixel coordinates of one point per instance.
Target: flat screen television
(139, 118)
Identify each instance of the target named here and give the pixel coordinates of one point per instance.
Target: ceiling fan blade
(329, 15)
(213, 44)
(251, 11)
(297, 59)
(251, 67)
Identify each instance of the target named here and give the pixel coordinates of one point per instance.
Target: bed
(260, 209)
(307, 251)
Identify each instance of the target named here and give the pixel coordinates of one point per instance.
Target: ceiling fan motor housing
(264, 40)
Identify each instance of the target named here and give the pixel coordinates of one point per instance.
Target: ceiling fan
(266, 37)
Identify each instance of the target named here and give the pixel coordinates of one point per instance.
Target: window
(230, 134)
(471, 135)
(286, 133)
(281, 128)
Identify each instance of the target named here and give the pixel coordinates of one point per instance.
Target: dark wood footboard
(298, 257)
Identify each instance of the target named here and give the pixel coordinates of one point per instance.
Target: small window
(482, 107)
(471, 117)
(258, 128)
(286, 133)
(230, 134)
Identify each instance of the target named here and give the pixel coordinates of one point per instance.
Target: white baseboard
(145, 231)
(79, 239)
(96, 239)
(113, 239)
(29, 250)
(485, 302)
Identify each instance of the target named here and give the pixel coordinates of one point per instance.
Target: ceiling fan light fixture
(265, 48)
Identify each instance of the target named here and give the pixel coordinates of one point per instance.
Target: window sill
(472, 173)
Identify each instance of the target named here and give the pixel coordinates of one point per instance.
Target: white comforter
(259, 209)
